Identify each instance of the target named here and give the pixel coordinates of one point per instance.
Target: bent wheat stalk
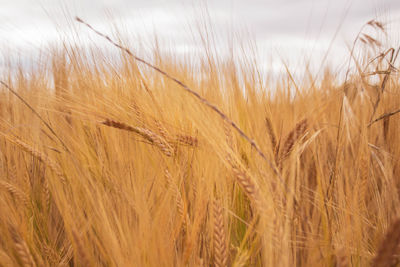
(187, 89)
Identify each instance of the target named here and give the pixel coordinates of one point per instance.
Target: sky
(289, 31)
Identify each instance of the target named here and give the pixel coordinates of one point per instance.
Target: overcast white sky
(292, 29)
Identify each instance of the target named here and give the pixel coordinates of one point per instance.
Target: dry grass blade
(220, 249)
(390, 247)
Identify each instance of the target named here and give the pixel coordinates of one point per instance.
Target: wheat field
(163, 163)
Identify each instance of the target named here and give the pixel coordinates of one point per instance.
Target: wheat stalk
(80, 250)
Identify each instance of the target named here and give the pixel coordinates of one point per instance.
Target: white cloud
(295, 28)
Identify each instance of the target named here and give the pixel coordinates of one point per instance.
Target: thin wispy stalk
(386, 115)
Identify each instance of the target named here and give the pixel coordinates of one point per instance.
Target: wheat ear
(271, 133)
(292, 137)
(246, 183)
(150, 136)
(220, 248)
(46, 192)
(178, 197)
(39, 155)
(21, 248)
(16, 192)
(187, 140)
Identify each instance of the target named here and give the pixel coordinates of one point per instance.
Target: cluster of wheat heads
(107, 164)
